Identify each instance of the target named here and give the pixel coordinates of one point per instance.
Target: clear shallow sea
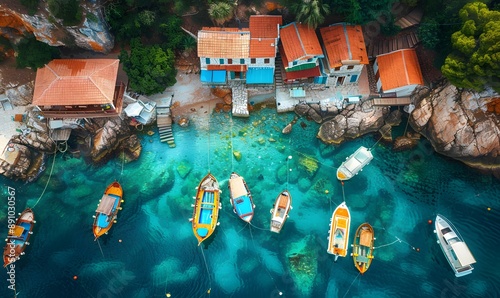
(158, 253)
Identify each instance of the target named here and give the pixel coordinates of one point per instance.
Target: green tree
(35, 54)
(310, 12)
(67, 10)
(31, 5)
(362, 11)
(220, 12)
(150, 69)
(475, 60)
(428, 34)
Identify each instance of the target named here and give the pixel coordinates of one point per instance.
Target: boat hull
(240, 197)
(18, 237)
(338, 240)
(281, 208)
(206, 208)
(452, 244)
(362, 248)
(354, 163)
(104, 220)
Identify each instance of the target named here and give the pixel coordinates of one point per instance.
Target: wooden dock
(164, 123)
(391, 101)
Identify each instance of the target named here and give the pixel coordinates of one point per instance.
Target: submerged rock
(302, 260)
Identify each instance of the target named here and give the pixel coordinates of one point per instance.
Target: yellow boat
(338, 240)
(107, 210)
(206, 208)
(362, 249)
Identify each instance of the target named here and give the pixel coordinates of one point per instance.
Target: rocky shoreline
(463, 125)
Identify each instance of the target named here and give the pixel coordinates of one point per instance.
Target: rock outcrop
(92, 34)
(461, 124)
(353, 121)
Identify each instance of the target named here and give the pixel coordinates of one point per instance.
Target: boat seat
(362, 259)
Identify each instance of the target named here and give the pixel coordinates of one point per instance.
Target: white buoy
(289, 157)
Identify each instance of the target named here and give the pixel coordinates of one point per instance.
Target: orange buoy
(429, 221)
(75, 277)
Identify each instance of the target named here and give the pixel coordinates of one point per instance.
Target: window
(207, 60)
(294, 63)
(337, 68)
(350, 67)
(266, 60)
(221, 61)
(229, 61)
(242, 61)
(252, 60)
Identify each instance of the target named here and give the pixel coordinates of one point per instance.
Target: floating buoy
(417, 249)
(150, 132)
(209, 291)
(489, 209)
(75, 277)
(120, 240)
(281, 293)
(429, 221)
(168, 295)
(326, 191)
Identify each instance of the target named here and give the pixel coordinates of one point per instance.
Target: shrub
(35, 54)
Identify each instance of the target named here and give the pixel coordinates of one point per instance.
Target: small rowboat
(362, 249)
(453, 246)
(281, 208)
(18, 237)
(206, 208)
(240, 197)
(354, 163)
(107, 210)
(338, 240)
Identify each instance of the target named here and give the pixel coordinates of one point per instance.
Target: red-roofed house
(240, 54)
(345, 50)
(398, 72)
(79, 88)
(300, 50)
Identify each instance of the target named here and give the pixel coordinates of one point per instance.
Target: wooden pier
(391, 101)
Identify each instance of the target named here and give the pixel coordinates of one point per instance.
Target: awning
(260, 75)
(133, 109)
(213, 76)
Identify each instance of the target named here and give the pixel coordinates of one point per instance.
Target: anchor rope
(348, 289)
(48, 180)
(208, 271)
(263, 263)
(100, 248)
(381, 137)
(395, 241)
(209, 138)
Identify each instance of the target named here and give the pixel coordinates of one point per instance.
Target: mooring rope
(48, 180)
(264, 265)
(100, 248)
(209, 137)
(232, 148)
(208, 271)
(348, 289)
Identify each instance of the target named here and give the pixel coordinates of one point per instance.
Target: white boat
(338, 239)
(354, 163)
(281, 208)
(454, 248)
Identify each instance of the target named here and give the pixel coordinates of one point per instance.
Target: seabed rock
(303, 263)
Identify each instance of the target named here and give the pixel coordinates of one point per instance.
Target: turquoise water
(152, 251)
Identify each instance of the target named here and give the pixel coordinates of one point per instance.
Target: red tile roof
(223, 43)
(299, 42)
(399, 68)
(264, 26)
(262, 47)
(76, 82)
(302, 74)
(344, 42)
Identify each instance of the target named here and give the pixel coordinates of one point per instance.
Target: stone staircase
(278, 68)
(164, 123)
(240, 99)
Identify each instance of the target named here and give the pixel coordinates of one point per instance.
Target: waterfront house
(346, 55)
(398, 73)
(79, 88)
(300, 52)
(232, 54)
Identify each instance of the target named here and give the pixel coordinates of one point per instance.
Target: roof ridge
(406, 69)
(300, 40)
(53, 81)
(95, 84)
(347, 41)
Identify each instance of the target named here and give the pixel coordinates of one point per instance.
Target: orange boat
(18, 237)
(107, 209)
(206, 208)
(362, 249)
(338, 240)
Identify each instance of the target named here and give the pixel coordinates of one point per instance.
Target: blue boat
(240, 197)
